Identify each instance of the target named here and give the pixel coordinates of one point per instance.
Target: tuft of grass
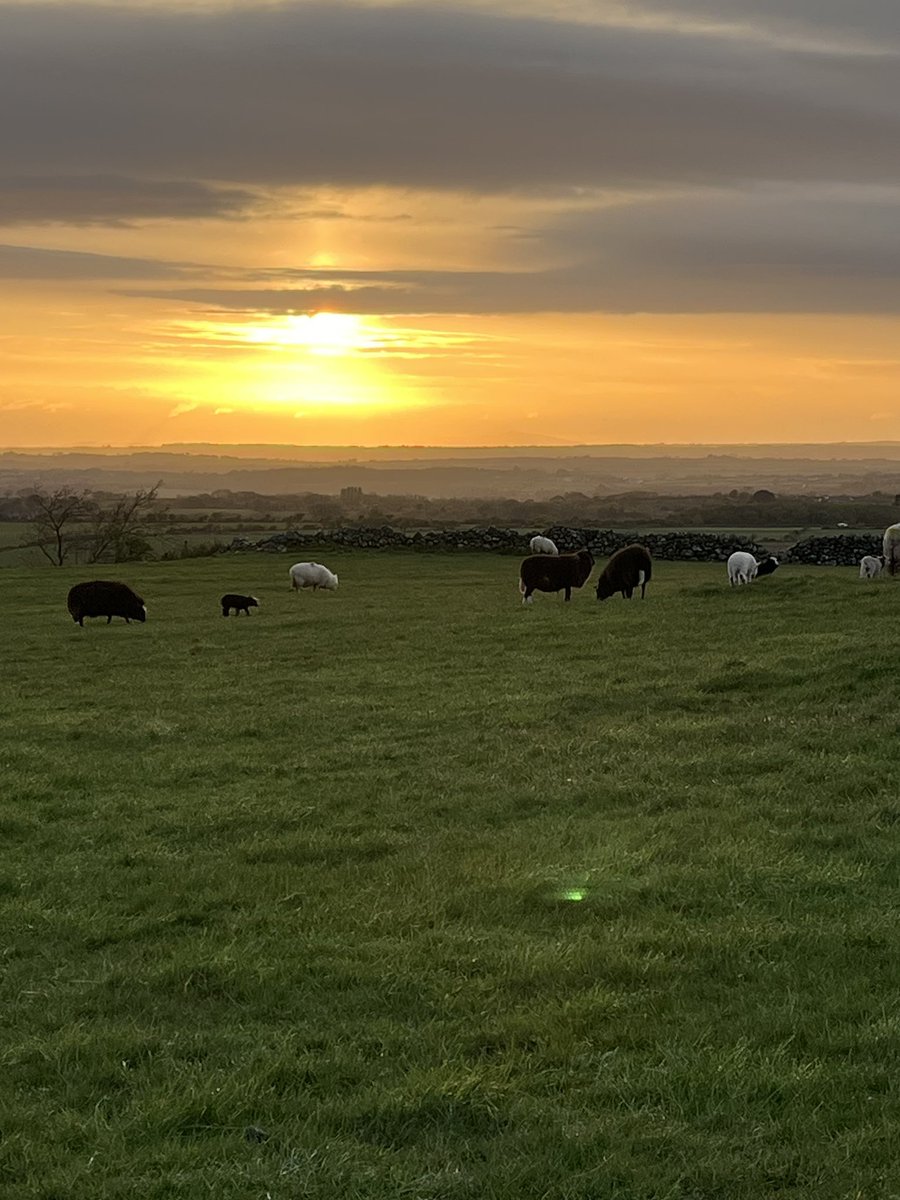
(407, 891)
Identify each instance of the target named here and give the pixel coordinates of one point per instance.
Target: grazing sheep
(870, 566)
(240, 604)
(628, 568)
(549, 573)
(312, 575)
(766, 566)
(105, 598)
(742, 568)
(542, 545)
(891, 549)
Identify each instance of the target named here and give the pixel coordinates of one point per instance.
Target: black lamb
(240, 604)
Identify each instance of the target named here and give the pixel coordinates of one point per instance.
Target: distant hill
(514, 472)
(273, 452)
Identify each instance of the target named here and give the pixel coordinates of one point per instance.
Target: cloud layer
(755, 141)
(773, 249)
(426, 97)
(113, 200)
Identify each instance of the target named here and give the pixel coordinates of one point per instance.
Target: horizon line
(187, 447)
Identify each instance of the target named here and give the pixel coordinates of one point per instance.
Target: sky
(477, 223)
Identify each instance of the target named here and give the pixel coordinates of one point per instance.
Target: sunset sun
(303, 364)
(327, 333)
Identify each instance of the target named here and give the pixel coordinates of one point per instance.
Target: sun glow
(327, 333)
(303, 364)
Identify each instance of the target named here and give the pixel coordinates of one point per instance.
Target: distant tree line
(67, 524)
(740, 508)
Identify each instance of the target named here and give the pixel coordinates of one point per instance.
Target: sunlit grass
(409, 891)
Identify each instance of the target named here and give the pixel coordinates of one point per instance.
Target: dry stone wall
(697, 547)
(841, 550)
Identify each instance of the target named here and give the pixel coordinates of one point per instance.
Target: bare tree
(55, 520)
(119, 533)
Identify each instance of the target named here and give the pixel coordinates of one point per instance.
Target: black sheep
(239, 603)
(546, 573)
(628, 568)
(105, 598)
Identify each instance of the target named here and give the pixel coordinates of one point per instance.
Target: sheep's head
(586, 559)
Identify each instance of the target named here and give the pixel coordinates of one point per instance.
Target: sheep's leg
(109, 620)
(568, 592)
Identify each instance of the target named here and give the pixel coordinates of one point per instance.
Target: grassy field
(407, 891)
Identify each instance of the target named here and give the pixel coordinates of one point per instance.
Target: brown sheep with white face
(629, 568)
(549, 573)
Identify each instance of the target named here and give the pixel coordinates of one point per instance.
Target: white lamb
(312, 575)
(543, 545)
(742, 568)
(870, 567)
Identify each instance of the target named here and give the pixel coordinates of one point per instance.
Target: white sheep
(543, 545)
(312, 575)
(742, 568)
(870, 567)
(891, 549)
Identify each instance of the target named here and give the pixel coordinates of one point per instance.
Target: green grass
(12, 552)
(407, 891)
